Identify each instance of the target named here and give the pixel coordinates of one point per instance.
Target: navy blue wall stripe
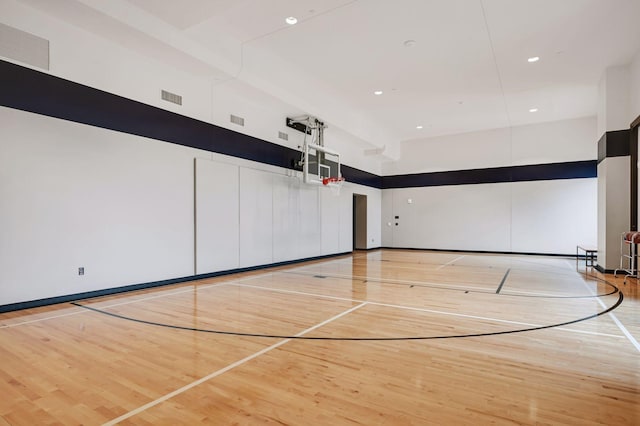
(571, 170)
(41, 93)
(361, 177)
(616, 143)
(29, 90)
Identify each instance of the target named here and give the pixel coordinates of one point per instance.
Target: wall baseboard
(604, 271)
(488, 252)
(133, 287)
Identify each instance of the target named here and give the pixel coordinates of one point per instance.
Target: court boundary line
(622, 328)
(451, 262)
(227, 368)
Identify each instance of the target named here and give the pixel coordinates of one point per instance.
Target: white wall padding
(217, 216)
(256, 217)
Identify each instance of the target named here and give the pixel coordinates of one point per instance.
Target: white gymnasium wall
(77, 196)
(86, 58)
(123, 207)
(256, 217)
(217, 215)
(537, 217)
(465, 217)
(286, 218)
(618, 100)
(553, 142)
(554, 216)
(613, 208)
(634, 71)
(634, 78)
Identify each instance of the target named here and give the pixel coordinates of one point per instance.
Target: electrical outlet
(81, 270)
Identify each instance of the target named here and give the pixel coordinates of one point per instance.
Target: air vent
(237, 120)
(284, 136)
(171, 97)
(24, 47)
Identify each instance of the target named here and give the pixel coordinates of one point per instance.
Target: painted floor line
(426, 284)
(622, 328)
(225, 369)
(411, 308)
(431, 284)
(41, 319)
(450, 262)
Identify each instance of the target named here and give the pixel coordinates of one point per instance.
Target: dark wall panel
(614, 144)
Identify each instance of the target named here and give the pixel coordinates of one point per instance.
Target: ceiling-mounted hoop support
(314, 162)
(324, 171)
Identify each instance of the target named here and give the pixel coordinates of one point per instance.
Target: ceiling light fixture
(378, 92)
(418, 127)
(409, 43)
(533, 59)
(291, 20)
(533, 110)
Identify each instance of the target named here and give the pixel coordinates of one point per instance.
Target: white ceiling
(467, 71)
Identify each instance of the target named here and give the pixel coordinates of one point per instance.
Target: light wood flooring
(386, 337)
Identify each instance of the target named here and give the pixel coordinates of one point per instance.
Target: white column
(613, 166)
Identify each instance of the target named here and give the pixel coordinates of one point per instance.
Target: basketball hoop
(335, 183)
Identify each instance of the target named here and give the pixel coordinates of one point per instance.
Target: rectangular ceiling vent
(237, 120)
(171, 97)
(284, 136)
(24, 47)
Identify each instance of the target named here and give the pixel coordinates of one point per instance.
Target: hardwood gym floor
(387, 337)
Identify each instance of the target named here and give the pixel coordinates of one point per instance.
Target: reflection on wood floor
(383, 337)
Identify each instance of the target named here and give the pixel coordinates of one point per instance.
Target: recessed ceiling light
(533, 59)
(291, 20)
(418, 127)
(533, 110)
(378, 92)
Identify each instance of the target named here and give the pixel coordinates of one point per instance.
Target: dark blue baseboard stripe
(116, 290)
(526, 253)
(605, 271)
(551, 171)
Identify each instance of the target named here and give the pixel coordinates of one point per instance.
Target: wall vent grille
(24, 47)
(284, 136)
(237, 120)
(171, 97)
